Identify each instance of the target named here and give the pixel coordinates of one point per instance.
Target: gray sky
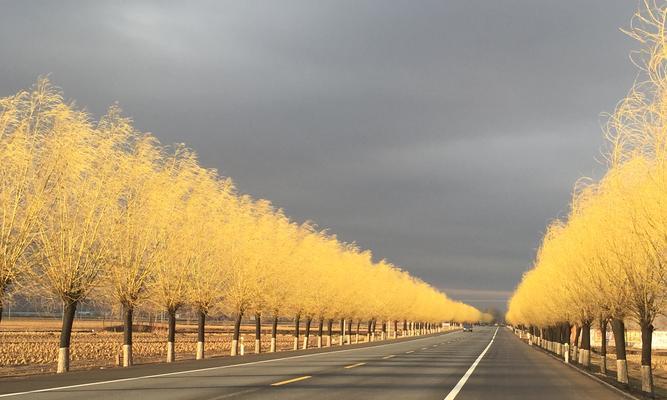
(442, 135)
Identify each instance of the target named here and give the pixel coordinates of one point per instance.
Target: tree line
(98, 210)
(605, 263)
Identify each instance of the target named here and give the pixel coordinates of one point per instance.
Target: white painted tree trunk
(647, 379)
(171, 354)
(622, 371)
(586, 358)
(63, 360)
(127, 355)
(200, 350)
(235, 347)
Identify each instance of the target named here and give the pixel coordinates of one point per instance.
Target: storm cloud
(442, 135)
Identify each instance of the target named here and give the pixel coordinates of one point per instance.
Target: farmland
(30, 346)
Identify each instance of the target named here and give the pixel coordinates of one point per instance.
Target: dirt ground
(30, 346)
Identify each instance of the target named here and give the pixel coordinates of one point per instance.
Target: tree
(135, 234)
(26, 174)
(177, 252)
(73, 241)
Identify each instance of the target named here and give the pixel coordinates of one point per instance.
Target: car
(467, 327)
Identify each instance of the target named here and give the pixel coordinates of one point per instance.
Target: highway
(489, 363)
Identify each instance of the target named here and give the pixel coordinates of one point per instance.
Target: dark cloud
(441, 135)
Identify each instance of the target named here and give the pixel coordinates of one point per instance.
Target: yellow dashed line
(388, 357)
(355, 365)
(291, 380)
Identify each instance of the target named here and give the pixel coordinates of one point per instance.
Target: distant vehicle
(467, 327)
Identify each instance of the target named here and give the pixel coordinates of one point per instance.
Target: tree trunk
(66, 336)
(274, 333)
(297, 322)
(575, 346)
(320, 328)
(306, 337)
(603, 345)
(356, 339)
(329, 332)
(618, 329)
(201, 333)
(565, 334)
(647, 374)
(258, 333)
(342, 332)
(405, 327)
(237, 334)
(171, 335)
(395, 329)
(586, 344)
(384, 329)
(368, 331)
(128, 310)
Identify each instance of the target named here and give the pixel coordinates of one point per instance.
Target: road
(488, 363)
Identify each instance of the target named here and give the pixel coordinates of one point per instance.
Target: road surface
(488, 363)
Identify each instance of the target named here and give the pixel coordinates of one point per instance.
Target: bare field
(29, 346)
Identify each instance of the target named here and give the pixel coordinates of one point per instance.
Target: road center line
(301, 378)
(408, 352)
(355, 365)
(452, 395)
(388, 357)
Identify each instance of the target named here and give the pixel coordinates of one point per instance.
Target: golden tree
(26, 173)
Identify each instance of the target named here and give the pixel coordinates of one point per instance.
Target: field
(30, 346)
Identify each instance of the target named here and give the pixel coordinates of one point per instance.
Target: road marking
(355, 365)
(301, 378)
(435, 345)
(452, 395)
(424, 348)
(408, 352)
(136, 378)
(388, 357)
(234, 394)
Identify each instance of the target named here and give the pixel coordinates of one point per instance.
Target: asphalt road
(484, 364)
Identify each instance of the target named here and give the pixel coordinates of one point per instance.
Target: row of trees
(606, 262)
(98, 210)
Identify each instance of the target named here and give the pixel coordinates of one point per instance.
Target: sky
(442, 135)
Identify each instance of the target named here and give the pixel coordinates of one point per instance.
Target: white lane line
(234, 394)
(408, 352)
(388, 357)
(452, 395)
(136, 378)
